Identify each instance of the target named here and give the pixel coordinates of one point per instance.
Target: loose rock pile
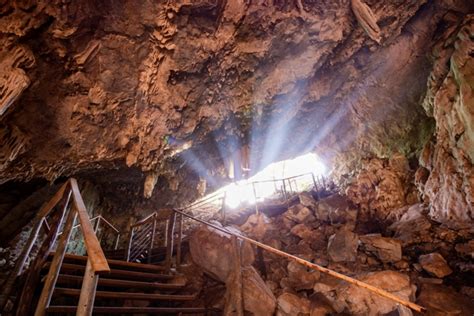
(415, 259)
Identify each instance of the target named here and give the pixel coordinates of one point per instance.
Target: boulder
(299, 213)
(307, 200)
(256, 226)
(292, 305)
(466, 249)
(358, 301)
(211, 250)
(342, 246)
(435, 264)
(413, 227)
(299, 277)
(386, 249)
(257, 296)
(441, 300)
(302, 231)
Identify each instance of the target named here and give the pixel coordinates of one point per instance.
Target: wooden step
(125, 265)
(115, 273)
(131, 310)
(64, 279)
(128, 295)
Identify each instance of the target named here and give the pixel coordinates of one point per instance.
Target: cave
(237, 157)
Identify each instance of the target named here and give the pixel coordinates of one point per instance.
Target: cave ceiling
(138, 88)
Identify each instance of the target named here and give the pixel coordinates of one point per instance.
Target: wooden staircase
(126, 283)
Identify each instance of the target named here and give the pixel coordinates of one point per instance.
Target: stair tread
(115, 273)
(120, 263)
(128, 310)
(128, 295)
(123, 283)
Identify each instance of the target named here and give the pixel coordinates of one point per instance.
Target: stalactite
(366, 19)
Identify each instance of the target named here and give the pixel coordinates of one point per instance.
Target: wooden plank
(94, 250)
(131, 310)
(118, 273)
(238, 290)
(118, 263)
(48, 206)
(88, 291)
(129, 295)
(65, 279)
(55, 266)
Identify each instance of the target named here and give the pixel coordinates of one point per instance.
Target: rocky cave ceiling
(117, 91)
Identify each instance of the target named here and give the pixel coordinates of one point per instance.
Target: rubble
(435, 264)
(386, 249)
(342, 246)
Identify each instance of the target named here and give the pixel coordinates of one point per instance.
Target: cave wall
(150, 98)
(449, 156)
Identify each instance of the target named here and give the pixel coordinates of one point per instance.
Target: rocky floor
(408, 255)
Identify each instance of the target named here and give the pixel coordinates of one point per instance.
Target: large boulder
(290, 304)
(440, 300)
(258, 298)
(358, 301)
(435, 264)
(342, 246)
(413, 227)
(299, 214)
(386, 249)
(299, 277)
(211, 250)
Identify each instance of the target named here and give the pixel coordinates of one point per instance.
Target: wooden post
(180, 238)
(56, 263)
(88, 290)
(152, 241)
(169, 240)
(130, 239)
(238, 290)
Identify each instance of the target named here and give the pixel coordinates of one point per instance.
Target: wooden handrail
(93, 248)
(68, 194)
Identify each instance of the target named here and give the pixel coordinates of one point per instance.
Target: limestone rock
(342, 246)
(435, 264)
(212, 251)
(256, 226)
(299, 277)
(386, 249)
(441, 300)
(299, 213)
(358, 301)
(302, 231)
(466, 249)
(292, 305)
(258, 298)
(413, 226)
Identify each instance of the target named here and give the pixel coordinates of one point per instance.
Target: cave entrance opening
(296, 175)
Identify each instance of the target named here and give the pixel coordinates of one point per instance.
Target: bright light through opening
(243, 192)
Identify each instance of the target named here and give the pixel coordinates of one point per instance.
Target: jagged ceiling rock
(114, 84)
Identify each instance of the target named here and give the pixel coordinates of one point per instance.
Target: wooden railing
(62, 210)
